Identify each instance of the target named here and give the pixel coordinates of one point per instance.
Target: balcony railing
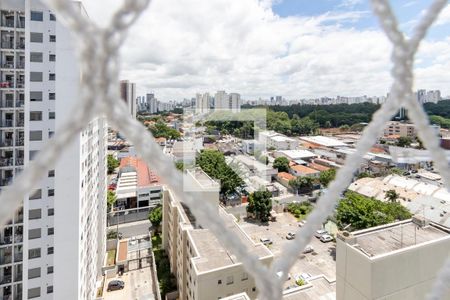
(20, 65)
(20, 45)
(18, 238)
(20, 84)
(7, 103)
(5, 259)
(20, 123)
(6, 279)
(18, 257)
(6, 143)
(18, 277)
(20, 142)
(6, 123)
(20, 103)
(7, 45)
(19, 162)
(6, 240)
(8, 23)
(6, 84)
(8, 65)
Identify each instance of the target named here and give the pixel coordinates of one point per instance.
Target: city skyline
(262, 47)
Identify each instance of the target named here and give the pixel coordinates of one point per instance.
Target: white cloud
(181, 47)
(444, 17)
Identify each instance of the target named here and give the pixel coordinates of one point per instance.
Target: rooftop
(296, 154)
(396, 236)
(145, 177)
(304, 170)
(211, 254)
(318, 167)
(323, 141)
(281, 138)
(286, 176)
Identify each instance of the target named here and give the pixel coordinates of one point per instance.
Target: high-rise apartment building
(202, 103)
(54, 247)
(152, 105)
(128, 94)
(203, 267)
(394, 261)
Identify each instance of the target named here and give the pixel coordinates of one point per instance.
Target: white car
(320, 232)
(326, 238)
(266, 241)
(301, 223)
(308, 249)
(290, 236)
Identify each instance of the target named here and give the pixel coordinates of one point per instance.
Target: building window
(36, 37)
(34, 214)
(36, 135)
(50, 134)
(52, 17)
(51, 76)
(51, 96)
(51, 192)
(51, 115)
(52, 57)
(51, 173)
(34, 233)
(50, 289)
(51, 231)
(51, 212)
(50, 250)
(37, 16)
(34, 253)
(36, 76)
(35, 96)
(50, 270)
(36, 57)
(230, 280)
(34, 293)
(52, 38)
(35, 115)
(37, 194)
(34, 273)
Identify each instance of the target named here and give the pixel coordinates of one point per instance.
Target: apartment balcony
(5, 279)
(6, 162)
(5, 182)
(6, 240)
(20, 65)
(20, 123)
(7, 104)
(19, 162)
(20, 103)
(20, 45)
(18, 238)
(18, 296)
(18, 277)
(20, 142)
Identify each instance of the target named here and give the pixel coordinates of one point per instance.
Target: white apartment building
(54, 247)
(395, 261)
(203, 267)
(128, 94)
(400, 129)
(232, 101)
(202, 103)
(277, 141)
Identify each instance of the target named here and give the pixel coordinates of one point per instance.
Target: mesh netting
(98, 53)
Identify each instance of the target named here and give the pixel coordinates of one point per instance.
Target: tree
(155, 217)
(344, 127)
(160, 129)
(391, 195)
(213, 163)
(302, 184)
(327, 176)
(281, 164)
(112, 163)
(404, 141)
(364, 175)
(179, 165)
(260, 204)
(300, 210)
(361, 212)
(111, 198)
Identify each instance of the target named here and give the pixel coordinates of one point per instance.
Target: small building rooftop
(396, 236)
(323, 141)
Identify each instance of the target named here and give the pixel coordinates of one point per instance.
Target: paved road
(132, 229)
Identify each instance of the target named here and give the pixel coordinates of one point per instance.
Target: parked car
(301, 223)
(320, 232)
(266, 241)
(114, 285)
(326, 238)
(308, 249)
(415, 171)
(290, 236)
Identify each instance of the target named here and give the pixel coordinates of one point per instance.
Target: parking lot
(138, 286)
(319, 262)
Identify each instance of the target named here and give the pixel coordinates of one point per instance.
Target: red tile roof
(286, 176)
(318, 167)
(145, 176)
(304, 170)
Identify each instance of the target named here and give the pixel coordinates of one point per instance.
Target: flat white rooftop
(323, 141)
(297, 154)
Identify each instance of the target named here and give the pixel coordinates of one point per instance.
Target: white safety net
(98, 53)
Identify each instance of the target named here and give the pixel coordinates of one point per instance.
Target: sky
(261, 48)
